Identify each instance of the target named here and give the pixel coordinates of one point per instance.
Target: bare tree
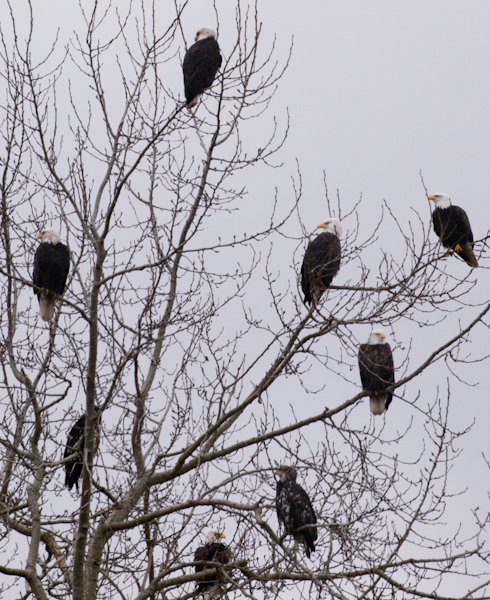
(191, 337)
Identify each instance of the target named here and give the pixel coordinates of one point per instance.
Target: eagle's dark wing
(453, 227)
(201, 63)
(51, 266)
(376, 368)
(296, 512)
(320, 265)
(75, 445)
(215, 552)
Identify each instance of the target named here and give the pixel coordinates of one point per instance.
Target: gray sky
(377, 92)
(387, 89)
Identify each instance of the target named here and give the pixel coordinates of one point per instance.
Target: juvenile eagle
(212, 551)
(75, 446)
(201, 63)
(453, 227)
(51, 266)
(377, 371)
(294, 509)
(321, 261)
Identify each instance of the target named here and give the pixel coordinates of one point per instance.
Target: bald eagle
(294, 509)
(201, 63)
(321, 261)
(51, 266)
(453, 227)
(377, 371)
(75, 445)
(213, 551)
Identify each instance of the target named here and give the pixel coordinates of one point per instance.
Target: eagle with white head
(377, 371)
(51, 266)
(453, 228)
(201, 63)
(322, 261)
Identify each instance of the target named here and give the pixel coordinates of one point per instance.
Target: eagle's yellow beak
(431, 197)
(222, 535)
(382, 336)
(40, 236)
(322, 226)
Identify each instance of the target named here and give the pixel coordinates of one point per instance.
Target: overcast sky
(378, 92)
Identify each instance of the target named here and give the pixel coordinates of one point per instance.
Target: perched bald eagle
(75, 445)
(51, 266)
(294, 509)
(321, 261)
(213, 551)
(377, 370)
(453, 227)
(201, 63)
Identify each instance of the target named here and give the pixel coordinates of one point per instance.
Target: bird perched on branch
(453, 227)
(201, 63)
(294, 509)
(321, 261)
(75, 446)
(212, 551)
(51, 266)
(377, 371)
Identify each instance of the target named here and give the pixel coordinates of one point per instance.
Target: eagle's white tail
(377, 404)
(46, 307)
(193, 102)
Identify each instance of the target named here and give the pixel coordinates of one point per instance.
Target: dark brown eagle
(453, 227)
(294, 509)
(201, 63)
(321, 261)
(51, 266)
(377, 371)
(75, 446)
(213, 551)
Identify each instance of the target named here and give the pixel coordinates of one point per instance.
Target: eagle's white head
(376, 337)
(211, 536)
(50, 235)
(205, 32)
(441, 200)
(332, 225)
